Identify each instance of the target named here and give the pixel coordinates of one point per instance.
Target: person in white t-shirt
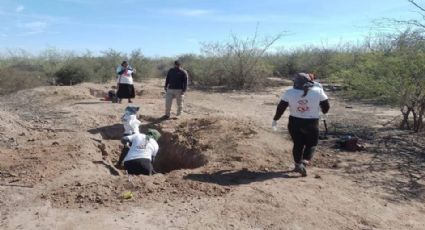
(305, 103)
(131, 126)
(142, 153)
(125, 82)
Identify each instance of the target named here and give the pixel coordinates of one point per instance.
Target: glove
(323, 116)
(274, 125)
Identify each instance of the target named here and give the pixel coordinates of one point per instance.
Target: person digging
(142, 152)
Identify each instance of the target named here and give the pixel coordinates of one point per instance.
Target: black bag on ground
(112, 94)
(349, 143)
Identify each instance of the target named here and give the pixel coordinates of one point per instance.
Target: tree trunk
(405, 122)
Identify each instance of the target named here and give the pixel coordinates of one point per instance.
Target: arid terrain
(222, 166)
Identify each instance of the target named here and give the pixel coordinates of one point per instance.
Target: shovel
(325, 124)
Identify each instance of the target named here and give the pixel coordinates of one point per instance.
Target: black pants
(139, 166)
(305, 135)
(125, 91)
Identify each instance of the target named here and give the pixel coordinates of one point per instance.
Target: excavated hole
(174, 155)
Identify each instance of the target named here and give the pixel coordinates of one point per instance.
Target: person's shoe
(300, 168)
(165, 117)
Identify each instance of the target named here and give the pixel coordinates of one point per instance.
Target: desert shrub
(73, 73)
(15, 78)
(392, 72)
(237, 64)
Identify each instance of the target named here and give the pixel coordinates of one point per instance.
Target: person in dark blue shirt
(175, 87)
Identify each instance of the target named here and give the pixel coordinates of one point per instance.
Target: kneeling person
(143, 150)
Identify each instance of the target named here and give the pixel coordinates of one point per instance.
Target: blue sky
(173, 27)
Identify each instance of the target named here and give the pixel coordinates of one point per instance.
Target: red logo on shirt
(302, 106)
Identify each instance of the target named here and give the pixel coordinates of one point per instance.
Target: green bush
(73, 73)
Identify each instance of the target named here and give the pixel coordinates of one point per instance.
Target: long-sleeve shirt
(176, 79)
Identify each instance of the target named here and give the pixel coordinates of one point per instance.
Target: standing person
(305, 103)
(142, 153)
(175, 87)
(125, 82)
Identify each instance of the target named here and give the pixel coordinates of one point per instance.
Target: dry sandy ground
(223, 167)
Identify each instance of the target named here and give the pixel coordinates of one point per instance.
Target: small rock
(55, 143)
(416, 176)
(317, 176)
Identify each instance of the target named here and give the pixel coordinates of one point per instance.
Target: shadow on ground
(227, 177)
(110, 132)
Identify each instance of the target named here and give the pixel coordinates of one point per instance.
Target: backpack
(349, 143)
(112, 95)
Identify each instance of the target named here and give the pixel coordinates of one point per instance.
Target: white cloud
(187, 12)
(20, 8)
(35, 27)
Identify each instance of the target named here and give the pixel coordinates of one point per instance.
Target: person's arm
(126, 140)
(324, 102)
(185, 77)
(120, 70)
(280, 110)
(123, 154)
(167, 80)
(324, 105)
(154, 152)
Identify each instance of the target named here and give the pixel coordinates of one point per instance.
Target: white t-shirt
(126, 77)
(131, 123)
(317, 84)
(141, 148)
(307, 107)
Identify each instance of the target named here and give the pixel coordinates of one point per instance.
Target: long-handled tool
(323, 117)
(326, 127)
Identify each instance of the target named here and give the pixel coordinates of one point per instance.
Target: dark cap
(300, 80)
(177, 63)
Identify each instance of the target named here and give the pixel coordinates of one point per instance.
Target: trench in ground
(172, 154)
